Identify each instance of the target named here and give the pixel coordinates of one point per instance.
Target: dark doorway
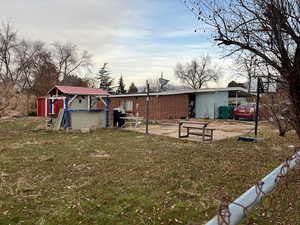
(192, 104)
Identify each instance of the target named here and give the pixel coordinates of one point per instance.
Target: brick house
(198, 103)
(161, 106)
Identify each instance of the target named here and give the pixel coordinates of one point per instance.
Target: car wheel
(236, 118)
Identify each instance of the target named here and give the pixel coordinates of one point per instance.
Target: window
(128, 105)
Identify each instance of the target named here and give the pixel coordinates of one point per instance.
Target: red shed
(43, 103)
(75, 108)
(44, 109)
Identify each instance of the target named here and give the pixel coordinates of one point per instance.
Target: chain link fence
(233, 212)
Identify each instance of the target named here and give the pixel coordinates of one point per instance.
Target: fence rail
(231, 213)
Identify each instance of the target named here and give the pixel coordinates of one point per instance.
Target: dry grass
(121, 177)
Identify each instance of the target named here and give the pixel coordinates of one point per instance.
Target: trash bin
(117, 121)
(121, 121)
(226, 112)
(116, 117)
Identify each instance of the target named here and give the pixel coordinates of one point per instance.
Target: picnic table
(196, 128)
(132, 120)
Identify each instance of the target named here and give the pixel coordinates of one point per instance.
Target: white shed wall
(87, 120)
(207, 104)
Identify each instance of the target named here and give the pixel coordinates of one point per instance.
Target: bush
(32, 114)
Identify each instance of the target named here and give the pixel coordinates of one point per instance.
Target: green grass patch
(112, 176)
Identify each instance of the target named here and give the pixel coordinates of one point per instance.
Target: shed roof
(185, 91)
(79, 90)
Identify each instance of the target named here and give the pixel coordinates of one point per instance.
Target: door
(41, 107)
(58, 105)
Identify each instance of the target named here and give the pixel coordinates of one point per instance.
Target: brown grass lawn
(121, 177)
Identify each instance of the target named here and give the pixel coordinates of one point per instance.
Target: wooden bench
(206, 133)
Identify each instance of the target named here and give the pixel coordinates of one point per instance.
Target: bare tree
(43, 74)
(246, 68)
(68, 60)
(154, 84)
(251, 67)
(35, 57)
(8, 45)
(196, 74)
(275, 108)
(16, 58)
(269, 29)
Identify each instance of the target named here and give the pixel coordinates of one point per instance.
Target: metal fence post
(147, 108)
(106, 112)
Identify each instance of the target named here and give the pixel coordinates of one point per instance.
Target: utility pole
(147, 108)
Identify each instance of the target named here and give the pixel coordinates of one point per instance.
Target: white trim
(101, 99)
(51, 89)
(54, 98)
(52, 107)
(187, 91)
(46, 107)
(64, 103)
(37, 107)
(89, 103)
(72, 99)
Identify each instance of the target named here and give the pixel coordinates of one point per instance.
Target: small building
(75, 107)
(190, 103)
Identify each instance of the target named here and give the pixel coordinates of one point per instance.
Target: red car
(245, 111)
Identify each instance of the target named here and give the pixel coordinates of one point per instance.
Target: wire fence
(232, 212)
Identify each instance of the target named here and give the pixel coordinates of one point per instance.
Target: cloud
(73, 20)
(139, 39)
(139, 63)
(177, 33)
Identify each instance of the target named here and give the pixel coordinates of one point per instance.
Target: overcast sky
(138, 38)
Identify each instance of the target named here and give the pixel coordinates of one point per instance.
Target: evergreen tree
(132, 89)
(106, 81)
(121, 87)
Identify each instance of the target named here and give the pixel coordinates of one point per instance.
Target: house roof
(185, 91)
(79, 90)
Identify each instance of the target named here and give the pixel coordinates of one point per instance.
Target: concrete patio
(224, 129)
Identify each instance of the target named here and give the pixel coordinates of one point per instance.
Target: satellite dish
(163, 82)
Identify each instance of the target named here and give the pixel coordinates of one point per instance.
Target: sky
(140, 39)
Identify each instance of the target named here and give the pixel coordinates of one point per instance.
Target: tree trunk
(294, 97)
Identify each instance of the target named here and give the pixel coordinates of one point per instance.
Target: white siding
(207, 104)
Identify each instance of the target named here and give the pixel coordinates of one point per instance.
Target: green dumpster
(226, 112)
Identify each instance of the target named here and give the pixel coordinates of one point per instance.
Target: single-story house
(189, 103)
(75, 107)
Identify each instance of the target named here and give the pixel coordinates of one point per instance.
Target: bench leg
(179, 132)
